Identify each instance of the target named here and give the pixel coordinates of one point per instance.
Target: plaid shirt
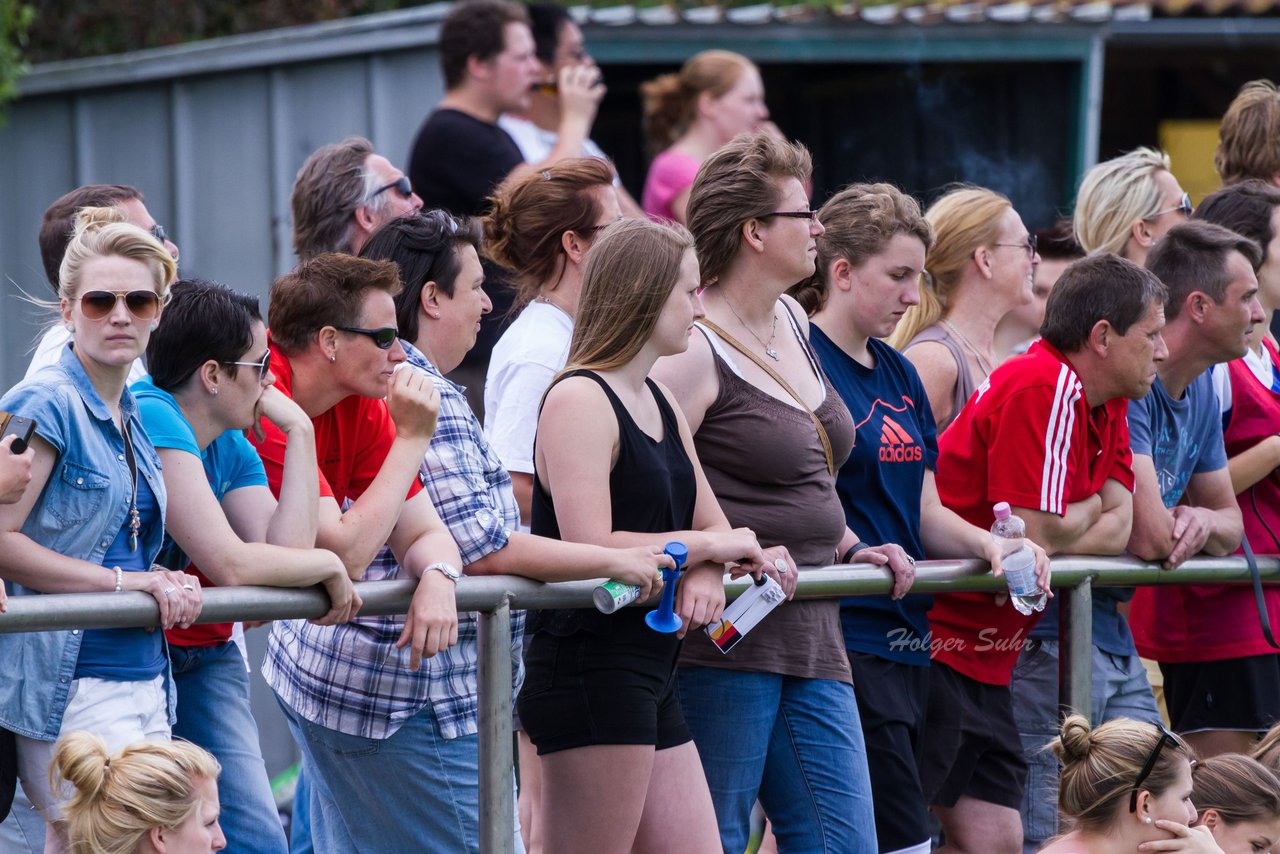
(351, 678)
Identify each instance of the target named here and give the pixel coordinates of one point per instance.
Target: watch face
(447, 568)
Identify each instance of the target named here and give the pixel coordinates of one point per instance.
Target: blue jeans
(300, 826)
(796, 744)
(413, 791)
(214, 712)
(1121, 689)
(1034, 695)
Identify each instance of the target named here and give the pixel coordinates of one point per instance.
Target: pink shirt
(670, 174)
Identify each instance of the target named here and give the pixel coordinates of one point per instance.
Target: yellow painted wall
(1191, 145)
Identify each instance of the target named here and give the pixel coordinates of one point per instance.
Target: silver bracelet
(119, 578)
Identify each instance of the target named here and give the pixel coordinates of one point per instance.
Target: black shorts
(618, 688)
(971, 744)
(1232, 694)
(893, 700)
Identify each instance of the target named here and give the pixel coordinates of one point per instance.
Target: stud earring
(1147, 819)
(332, 357)
(71, 327)
(214, 391)
(436, 315)
(154, 326)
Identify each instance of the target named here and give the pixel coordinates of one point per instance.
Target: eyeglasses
(812, 216)
(1029, 244)
(401, 185)
(383, 337)
(1166, 737)
(592, 229)
(157, 231)
(263, 366)
(96, 305)
(1184, 207)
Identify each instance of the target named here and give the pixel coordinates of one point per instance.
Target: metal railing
(494, 597)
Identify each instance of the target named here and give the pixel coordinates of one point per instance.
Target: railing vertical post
(497, 809)
(1075, 674)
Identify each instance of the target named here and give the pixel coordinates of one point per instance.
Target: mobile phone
(21, 429)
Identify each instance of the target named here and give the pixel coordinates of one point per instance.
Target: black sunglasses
(401, 185)
(1166, 737)
(96, 305)
(157, 231)
(812, 216)
(383, 337)
(263, 366)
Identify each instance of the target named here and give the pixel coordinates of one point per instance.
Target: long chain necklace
(773, 331)
(135, 523)
(968, 345)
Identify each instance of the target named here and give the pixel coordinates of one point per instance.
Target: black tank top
(652, 487)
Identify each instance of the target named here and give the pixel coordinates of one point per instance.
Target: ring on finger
(780, 564)
(188, 587)
(169, 591)
(911, 560)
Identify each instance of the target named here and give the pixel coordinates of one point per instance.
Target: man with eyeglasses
(56, 228)
(343, 193)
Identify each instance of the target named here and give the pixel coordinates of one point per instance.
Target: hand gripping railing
(495, 596)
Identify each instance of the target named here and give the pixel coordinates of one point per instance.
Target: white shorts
(122, 713)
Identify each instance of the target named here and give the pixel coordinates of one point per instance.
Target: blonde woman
(149, 798)
(980, 267)
(1126, 788)
(616, 466)
(92, 519)
(714, 97)
(1127, 203)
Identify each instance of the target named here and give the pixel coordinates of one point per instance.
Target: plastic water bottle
(1018, 560)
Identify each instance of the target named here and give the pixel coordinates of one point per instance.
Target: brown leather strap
(786, 386)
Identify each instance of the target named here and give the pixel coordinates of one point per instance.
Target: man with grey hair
(343, 193)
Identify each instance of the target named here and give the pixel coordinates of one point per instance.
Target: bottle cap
(678, 553)
(1002, 510)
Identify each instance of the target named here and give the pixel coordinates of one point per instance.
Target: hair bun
(1075, 740)
(91, 219)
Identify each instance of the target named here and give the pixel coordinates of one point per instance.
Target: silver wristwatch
(449, 571)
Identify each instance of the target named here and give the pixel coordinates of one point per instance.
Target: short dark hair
(1102, 286)
(59, 221)
(203, 320)
(1058, 242)
(547, 20)
(327, 290)
(475, 28)
(1193, 257)
(1245, 208)
(425, 248)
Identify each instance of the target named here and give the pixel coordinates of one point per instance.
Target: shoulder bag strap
(786, 386)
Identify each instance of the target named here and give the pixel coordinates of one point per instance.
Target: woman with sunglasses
(92, 518)
(1126, 787)
(438, 313)
(772, 433)
(210, 381)
(980, 267)
(1128, 203)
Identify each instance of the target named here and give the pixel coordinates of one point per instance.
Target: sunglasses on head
(96, 305)
(401, 185)
(1166, 737)
(262, 365)
(383, 337)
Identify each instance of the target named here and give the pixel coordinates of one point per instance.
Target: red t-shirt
(1212, 622)
(1028, 436)
(352, 440)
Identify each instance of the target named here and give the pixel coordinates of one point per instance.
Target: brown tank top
(966, 381)
(767, 467)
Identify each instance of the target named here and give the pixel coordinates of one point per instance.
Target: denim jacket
(78, 514)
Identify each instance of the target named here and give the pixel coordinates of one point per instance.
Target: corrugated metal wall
(213, 138)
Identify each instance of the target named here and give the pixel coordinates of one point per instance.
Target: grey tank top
(966, 382)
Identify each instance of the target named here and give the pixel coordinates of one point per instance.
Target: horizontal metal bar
(484, 593)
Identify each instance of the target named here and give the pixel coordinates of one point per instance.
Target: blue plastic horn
(663, 618)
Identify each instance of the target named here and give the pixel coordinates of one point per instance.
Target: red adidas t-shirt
(1212, 622)
(1027, 436)
(352, 440)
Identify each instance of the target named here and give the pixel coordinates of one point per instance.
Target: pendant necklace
(773, 331)
(135, 522)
